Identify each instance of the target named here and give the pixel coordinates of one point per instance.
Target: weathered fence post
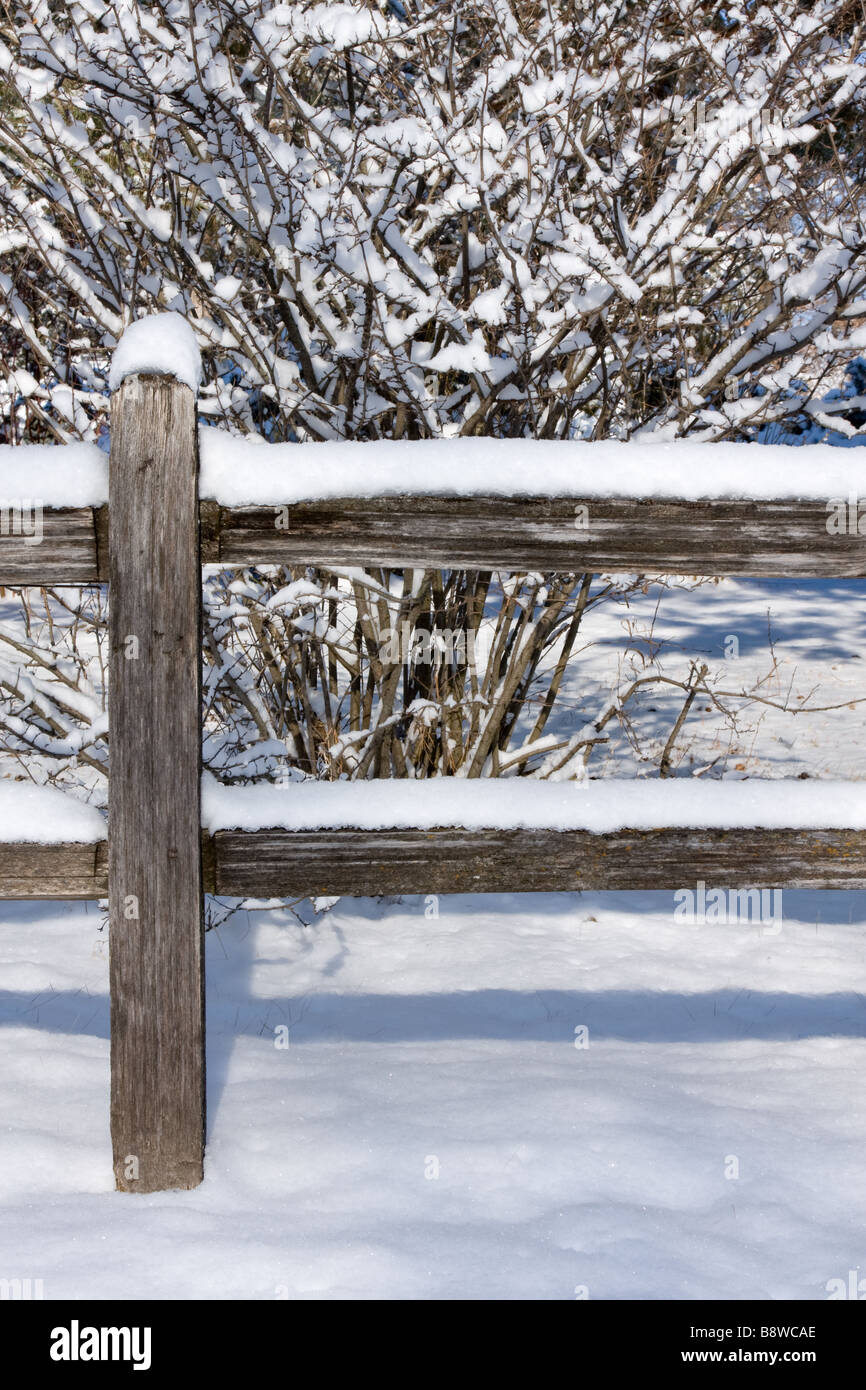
(155, 880)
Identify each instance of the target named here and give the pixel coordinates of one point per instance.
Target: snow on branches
(411, 221)
(388, 221)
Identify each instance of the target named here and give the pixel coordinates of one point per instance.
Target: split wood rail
(157, 864)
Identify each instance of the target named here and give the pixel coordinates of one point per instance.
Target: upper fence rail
(805, 520)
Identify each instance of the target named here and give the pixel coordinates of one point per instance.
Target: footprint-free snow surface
(544, 1097)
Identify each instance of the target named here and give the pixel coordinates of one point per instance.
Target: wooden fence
(157, 863)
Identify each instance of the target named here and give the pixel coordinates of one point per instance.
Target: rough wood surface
(66, 553)
(155, 878)
(54, 871)
(280, 863)
(783, 538)
(69, 870)
(786, 537)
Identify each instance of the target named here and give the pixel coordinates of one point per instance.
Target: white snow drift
(44, 816)
(240, 470)
(614, 803)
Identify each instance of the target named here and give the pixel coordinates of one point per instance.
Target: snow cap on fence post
(164, 344)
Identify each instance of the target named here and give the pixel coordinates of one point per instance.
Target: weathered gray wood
(54, 871)
(100, 526)
(280, 863)
(65, 554)
(155, 877)
(69, 870)
(786, 537)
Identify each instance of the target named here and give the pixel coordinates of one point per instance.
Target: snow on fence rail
(700, 509)
(473, 836)
(506, 505)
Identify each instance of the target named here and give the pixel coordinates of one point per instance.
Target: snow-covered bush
(400, 221)
(412, 220)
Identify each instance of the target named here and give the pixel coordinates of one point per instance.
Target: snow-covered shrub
(400, 221)
(411, 220)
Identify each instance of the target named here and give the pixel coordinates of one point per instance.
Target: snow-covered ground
(419, 1044)
(422, 1045)
(816, 627)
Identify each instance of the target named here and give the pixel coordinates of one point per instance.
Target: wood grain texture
(67, 552)
(69, 870)
(54, 871)
(280, 863)
(781, 538)
(786, 537)
(155, 876)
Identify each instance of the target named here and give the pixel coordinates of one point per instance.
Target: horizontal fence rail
(275, 863)
(66, 870)
(362, 863)
(783, 538)
(774, 538)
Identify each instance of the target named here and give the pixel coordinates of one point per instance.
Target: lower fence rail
(363, 863)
